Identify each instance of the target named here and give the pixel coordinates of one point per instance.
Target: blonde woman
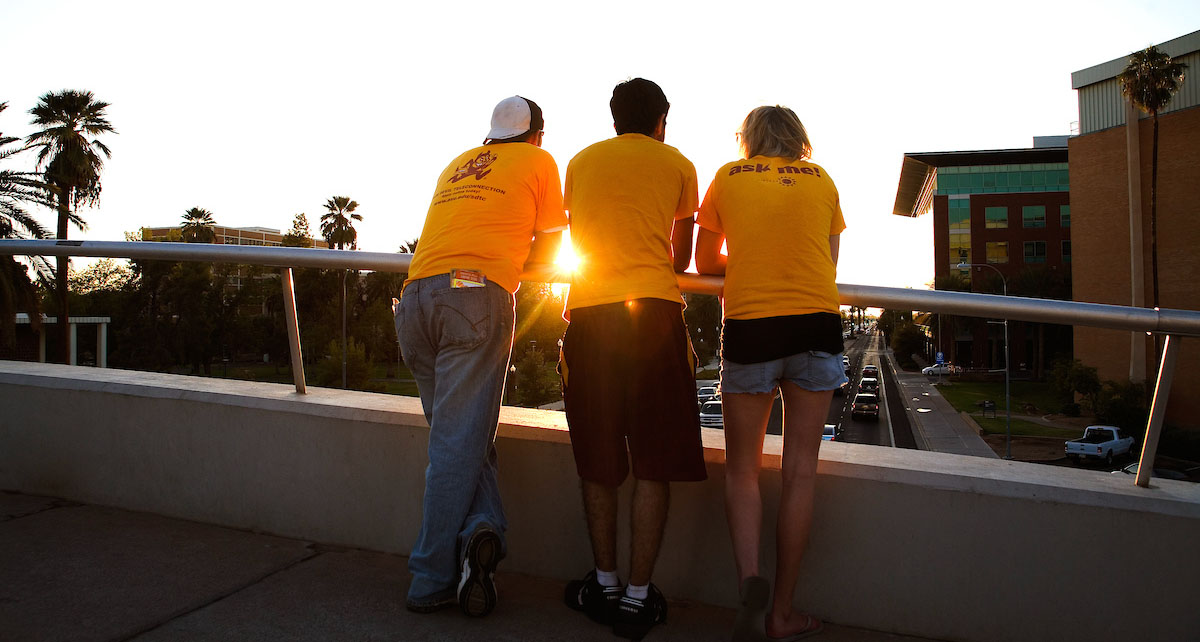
(779, 217)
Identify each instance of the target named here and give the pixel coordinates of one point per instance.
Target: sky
(257, 111)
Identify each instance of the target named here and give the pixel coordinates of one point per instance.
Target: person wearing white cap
(495, 208)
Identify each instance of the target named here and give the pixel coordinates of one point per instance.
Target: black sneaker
(592, 598)
(477, 587)
(633, 618)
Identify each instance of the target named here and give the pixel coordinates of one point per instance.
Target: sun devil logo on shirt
(477, 167)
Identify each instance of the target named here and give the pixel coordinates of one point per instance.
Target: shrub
(328, 372)
(1122, 404)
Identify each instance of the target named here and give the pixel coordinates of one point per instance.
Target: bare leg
(746, 418)
(803, 418)
(600, 506)
(647, 521)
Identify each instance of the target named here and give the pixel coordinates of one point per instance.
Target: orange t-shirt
(487, 206)
(777, 217)
(624, 194)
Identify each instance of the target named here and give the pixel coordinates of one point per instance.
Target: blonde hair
(775, 132)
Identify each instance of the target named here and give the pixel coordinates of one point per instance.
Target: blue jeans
(457, 343)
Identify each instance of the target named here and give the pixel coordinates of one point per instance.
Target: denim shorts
(814, 370)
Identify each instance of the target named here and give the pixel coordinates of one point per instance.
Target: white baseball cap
(515, 116)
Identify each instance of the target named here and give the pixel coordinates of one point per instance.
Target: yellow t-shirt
(777, 217)
(624, 194)
(486, 208)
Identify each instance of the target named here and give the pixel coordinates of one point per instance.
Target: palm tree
(17, 189)
(337, 223)
(198, 226)
(70, 152)
(337, 226)
(1149, 81)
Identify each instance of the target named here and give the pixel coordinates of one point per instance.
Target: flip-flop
(814, 627)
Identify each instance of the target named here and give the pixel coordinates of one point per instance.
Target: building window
(996, 217)
(960, 249)
(1033, 216)
(1035, 251)
(1064, 215)
(997, 251)
(1066, 251)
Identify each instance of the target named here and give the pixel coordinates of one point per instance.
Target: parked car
(710, 415)
(1162, 473)
(871, 370)
(866, 404)
(868, 384)
(1099, 442)
(940, 369)
(707, 393)
(830, 433)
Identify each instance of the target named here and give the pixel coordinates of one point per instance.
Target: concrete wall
(940, 546)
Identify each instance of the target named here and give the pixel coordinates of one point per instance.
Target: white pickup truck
(1099, 442)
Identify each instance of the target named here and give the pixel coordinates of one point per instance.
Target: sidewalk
(71, 571)
(937, 426)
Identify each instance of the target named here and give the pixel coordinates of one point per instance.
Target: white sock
(638, 592)
(607, 578)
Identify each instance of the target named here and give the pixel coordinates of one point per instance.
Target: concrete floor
(70, 571)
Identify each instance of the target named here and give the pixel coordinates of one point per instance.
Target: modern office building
(1009, 209)
(228, 235)
(1110, 166)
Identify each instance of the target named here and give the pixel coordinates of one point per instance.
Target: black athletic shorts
(629, 386)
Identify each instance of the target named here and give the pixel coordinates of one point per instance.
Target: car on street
(707, 393)
(940, 369)
(868, 384)
(865, 404)
(841, 390)
(830, 433)
(710, 415)
(870, 370)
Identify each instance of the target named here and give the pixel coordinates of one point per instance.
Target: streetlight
(1007, 406)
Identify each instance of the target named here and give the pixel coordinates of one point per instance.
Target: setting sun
(567, 262)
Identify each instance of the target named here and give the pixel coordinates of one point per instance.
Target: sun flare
(567, 262)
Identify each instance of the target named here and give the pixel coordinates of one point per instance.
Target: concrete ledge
(941, 546)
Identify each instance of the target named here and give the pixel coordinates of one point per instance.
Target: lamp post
(1007, 405)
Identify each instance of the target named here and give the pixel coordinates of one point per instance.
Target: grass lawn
(710, 373)
(995, 426)
(1027, 398)
(401, 384)
(965, 395)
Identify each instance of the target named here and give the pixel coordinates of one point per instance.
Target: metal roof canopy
(918, 173)
(1180, 46)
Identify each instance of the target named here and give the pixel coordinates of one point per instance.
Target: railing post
(1158, 410)
(293, 326)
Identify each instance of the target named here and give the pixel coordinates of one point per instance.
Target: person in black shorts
(627, 364)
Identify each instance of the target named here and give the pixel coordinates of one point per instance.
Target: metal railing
(1175, 324)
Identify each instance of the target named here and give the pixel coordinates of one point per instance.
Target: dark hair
(637, 105)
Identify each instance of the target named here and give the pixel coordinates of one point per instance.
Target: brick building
(1009, 209)
(1110, 165)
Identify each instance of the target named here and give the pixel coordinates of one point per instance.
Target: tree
(198, 226)
(409, 247)
(17, 290)
(337, 223)
(337, 226)
(1149, 81)
(299, 235)
(70, 151)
